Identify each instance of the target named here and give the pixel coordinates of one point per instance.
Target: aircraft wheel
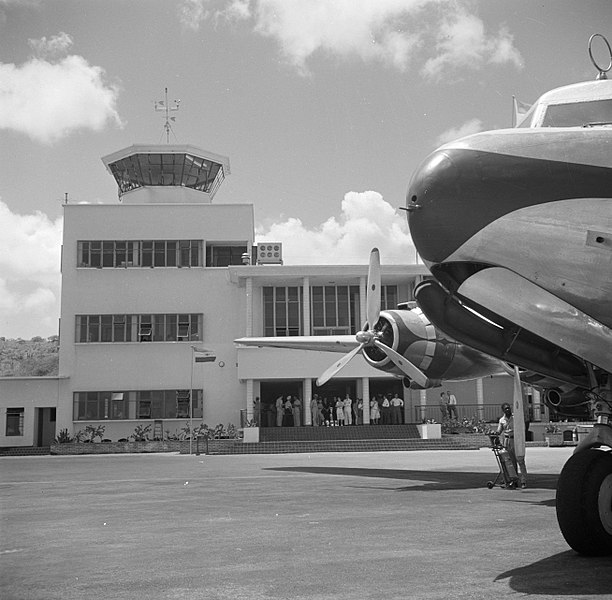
(490, 485)
(584, 502)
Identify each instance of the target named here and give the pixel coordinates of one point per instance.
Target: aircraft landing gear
(584, 502)
(584, 489)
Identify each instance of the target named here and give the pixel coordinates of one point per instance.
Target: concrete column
(423, 403)
(306, 308)
(249, 399)
(407, 403)
(307, 415)
(480, 398)
(365, 385)
(249, 307)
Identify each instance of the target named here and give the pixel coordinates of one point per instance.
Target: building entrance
(270, 391)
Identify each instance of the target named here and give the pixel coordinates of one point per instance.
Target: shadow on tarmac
(426, 480)
(565, 574)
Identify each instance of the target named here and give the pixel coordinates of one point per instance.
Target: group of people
(386, 410)
(288, 411)
(448, 405)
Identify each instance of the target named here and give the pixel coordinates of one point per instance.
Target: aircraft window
(579, 114)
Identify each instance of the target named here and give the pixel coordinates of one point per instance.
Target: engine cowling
(411, 334)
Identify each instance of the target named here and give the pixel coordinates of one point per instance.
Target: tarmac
(385, 525)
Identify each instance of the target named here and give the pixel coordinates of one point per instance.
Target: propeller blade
(325, 377)
(373, 292)
(404, 365)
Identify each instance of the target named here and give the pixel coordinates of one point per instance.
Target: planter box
(250, 435)
(430, 431)
(554, 439)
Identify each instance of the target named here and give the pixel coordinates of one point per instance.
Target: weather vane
(166, 107)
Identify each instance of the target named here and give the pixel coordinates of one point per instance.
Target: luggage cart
(507, 476)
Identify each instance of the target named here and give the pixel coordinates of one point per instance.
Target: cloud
(373, 30)
(47, 98)
(191, 14)
(395, 33)
(366, 221)
(468, 128)
(463, 43)
(29, 274)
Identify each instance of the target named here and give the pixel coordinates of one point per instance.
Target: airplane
(515, 226)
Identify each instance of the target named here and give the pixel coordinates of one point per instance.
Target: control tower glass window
(158, 169)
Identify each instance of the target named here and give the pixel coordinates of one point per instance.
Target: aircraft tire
(584, 502)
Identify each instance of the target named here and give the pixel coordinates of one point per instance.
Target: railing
(489, 413)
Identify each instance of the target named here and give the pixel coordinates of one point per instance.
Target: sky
(324, 108)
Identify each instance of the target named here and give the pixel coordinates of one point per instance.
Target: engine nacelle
(411, 334)
(571, 403)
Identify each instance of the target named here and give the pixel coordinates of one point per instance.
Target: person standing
(444, 405)
(385, 411)
(296, 410)
(339, 411)
(348, 410)
(396, 409)
(288, 420)
(280, 411)
(374, 411)
(506, 426)
(314, 410)
(452, 405)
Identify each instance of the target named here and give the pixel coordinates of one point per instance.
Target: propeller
(369, 336)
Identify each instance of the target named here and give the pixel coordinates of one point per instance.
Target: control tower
(167, 174)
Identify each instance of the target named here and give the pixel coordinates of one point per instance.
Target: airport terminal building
(158, 284)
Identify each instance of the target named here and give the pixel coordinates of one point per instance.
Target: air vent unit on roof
(269, 253)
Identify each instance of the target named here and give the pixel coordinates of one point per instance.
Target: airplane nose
(437, 214)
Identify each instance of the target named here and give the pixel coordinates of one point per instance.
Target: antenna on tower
(167, 108)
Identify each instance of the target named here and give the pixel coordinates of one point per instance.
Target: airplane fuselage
(535, 201)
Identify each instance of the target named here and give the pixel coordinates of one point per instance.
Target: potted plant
(250, 432)
(553, 435)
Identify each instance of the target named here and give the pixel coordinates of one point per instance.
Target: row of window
(139, 328)
(156, 253)
(146, 404)
(335, 310)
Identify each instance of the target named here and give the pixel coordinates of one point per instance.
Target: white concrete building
(152, 279)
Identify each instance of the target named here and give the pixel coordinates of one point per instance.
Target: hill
(29, 358)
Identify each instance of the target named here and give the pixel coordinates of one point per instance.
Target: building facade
(163, 277)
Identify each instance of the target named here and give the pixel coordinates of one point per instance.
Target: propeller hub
(365, 337)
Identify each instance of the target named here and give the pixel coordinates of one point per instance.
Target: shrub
(63, 437)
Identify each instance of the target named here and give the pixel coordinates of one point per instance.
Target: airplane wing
(321, 343)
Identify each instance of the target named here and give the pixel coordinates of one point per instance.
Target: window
(388, 298)
(223, 255)
(579, 114)
(140, 253)
(14, 421)
(282, 311)
(145, 404)
(142, 328)
(335, 309)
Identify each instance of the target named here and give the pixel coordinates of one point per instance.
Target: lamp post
(198, 354)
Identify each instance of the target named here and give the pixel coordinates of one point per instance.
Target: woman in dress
(374, 411)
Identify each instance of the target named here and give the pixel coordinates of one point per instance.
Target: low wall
(201, 447)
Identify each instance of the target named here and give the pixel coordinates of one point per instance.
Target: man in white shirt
(396, 410)
(348, 413)
(452, 405)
